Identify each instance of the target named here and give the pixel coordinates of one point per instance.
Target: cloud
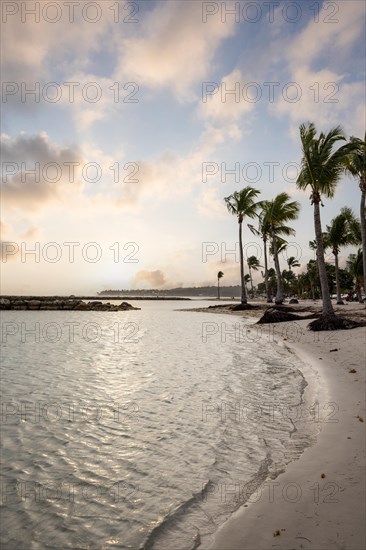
(324, 91)
(227, 102)
(31, 234)
(154, 279)
(33, 46)
(329, 34)
(62, 176)
(5, 228)
(171, 174)
(9, 251)
(175, 49)
(52, 179)
(211, 204)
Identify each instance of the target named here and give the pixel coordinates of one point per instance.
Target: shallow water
(140, 429)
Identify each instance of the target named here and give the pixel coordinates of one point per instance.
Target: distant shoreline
(98, 298)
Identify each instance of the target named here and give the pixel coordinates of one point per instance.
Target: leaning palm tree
(278, 212)
(253, 263)
(220, 275)
(242, 204)
(342, 231)
(321, 169)
(292, 262)
(356, 166)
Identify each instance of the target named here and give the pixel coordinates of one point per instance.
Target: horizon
(120, 140)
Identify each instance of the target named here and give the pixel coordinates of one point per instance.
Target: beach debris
(334, 349)
(322, 476)
(359, 418)
(275, 315)
(333, 322)
(352, 371)
(277, 533)
(243, 307)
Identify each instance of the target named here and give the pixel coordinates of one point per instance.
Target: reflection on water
(139, 429)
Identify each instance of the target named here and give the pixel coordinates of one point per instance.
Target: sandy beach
(319, 501)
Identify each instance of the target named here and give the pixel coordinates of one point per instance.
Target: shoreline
(318, 501)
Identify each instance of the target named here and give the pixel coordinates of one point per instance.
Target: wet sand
(319, 501)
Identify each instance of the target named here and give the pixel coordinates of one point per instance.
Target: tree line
(322, 166)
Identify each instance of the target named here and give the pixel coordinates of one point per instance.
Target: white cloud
(226, 103)
(329, 34)
(325, 94)
(175, 49)
(211, 204)
(33, 44)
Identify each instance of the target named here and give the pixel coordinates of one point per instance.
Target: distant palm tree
(355, 267)
(312, 246)
(312, 272)
(246, 281)
(356, 166)
(292, 262)
(321, 169)
(220, 275)
(263, 231)
(253, 263)
(242, 204)
(278, 212)
(342, 231)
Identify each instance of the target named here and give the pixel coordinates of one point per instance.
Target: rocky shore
(47, 304)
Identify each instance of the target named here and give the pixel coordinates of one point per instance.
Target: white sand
(308, 510)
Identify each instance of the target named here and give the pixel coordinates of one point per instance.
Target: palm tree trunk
(218, 288)
(244, 299)
(358, 292)
(312, 290)
(338, 286)
(327, 302)
(269, 298)
(251, 282)
(279, 293)
(363, 229)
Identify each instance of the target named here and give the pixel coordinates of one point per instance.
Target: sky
(125, 124)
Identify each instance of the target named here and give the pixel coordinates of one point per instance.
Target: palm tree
(272, 280)
(355, 267)
(263, 231)
(292, 262)
(312, 273)
(242, 204)
(253, 263)
(246, 280)
(356, 166)
(321, 169)
(342, 231)
(220, 275)
(279, 211)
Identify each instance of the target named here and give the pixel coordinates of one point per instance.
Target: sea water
(141, 429)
